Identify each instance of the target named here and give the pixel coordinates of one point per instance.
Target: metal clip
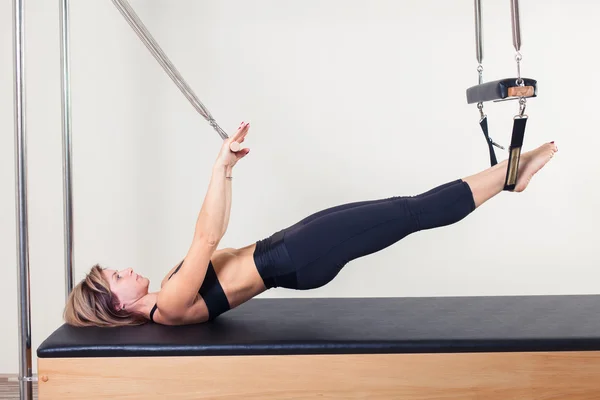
(496, 144)
(481, 114)
(522, 105)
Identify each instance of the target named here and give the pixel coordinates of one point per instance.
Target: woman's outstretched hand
(227, 157)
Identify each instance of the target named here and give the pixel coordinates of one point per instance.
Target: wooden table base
(447, 376)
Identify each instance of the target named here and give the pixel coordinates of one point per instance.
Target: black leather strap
(484, 127)
(514, 153)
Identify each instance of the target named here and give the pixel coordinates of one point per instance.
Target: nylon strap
(484, 127)
(514, 152)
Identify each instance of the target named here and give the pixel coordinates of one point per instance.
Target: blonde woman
(210, 281)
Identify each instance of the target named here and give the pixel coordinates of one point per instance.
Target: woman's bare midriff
(238, 276)
(237, 273)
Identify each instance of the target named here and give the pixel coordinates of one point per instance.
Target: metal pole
(66, 141)
(148, 40)
(478, 32)
(516, 24)
(25, 360)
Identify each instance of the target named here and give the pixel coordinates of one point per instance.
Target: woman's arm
(228, 190)
(181, 291)
(213, 217)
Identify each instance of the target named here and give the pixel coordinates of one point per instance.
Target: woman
(306, 255)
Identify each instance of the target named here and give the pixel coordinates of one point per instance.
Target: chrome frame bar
(24, 307)
(140, 29)
(516, 24)
(66, 142)
(478, 32)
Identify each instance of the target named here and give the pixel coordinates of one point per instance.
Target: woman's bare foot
(531, 162)
(488, 183)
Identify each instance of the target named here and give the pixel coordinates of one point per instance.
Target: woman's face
(126, 285)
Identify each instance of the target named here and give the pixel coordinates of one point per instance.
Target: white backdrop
(349, 100)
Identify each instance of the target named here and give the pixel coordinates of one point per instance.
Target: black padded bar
(354, 326)
(496, 90)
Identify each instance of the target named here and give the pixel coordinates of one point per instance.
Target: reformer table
(451, 348)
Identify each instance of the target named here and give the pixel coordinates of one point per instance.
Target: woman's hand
(227, 157)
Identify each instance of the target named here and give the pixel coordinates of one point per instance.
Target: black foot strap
(515, 152)
(484, 127)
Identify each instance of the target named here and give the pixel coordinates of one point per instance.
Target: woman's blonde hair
(91, 303)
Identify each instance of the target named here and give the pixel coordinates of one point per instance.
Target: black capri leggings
(312, 252)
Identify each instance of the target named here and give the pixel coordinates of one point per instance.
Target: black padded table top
(354, 326)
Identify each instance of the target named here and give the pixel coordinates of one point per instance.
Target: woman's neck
(144, 304)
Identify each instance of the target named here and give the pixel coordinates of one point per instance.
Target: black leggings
(312, 252)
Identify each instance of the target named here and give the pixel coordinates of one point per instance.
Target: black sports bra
(211, 291)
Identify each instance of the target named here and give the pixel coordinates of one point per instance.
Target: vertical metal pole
(516, 24)
(66, 141)
(478, 32)
(25, 360)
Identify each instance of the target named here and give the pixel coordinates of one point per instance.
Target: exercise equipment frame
(521, 88)
(501, 90)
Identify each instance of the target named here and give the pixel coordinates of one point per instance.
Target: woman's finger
(242, 153)
(239, 137)
(242, 135)
(244, 132)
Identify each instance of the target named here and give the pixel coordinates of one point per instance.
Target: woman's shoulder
(196, 313)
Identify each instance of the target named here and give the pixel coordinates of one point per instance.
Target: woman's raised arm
(180, 292)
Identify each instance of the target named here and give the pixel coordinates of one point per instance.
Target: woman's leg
(271, 255)
(321, 247)
(347, 206)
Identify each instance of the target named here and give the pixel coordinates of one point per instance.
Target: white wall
(349, 100)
